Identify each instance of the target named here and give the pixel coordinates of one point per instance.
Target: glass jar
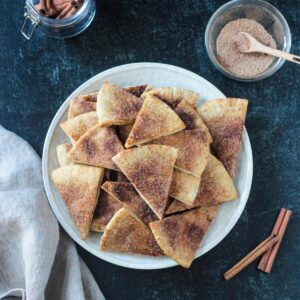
(57, 28)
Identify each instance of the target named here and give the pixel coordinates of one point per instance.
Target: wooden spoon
(246, 43)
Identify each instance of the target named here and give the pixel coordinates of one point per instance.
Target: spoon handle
(281, 54)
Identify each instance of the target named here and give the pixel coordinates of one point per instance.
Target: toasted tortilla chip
(173, 95)
(184, 187)
(79, 125)
(127, 195)
(193, 150)
(79, 187)
(216, 187)
(155, 119)
(91, 97)
(116, 106)
(225, 120)
(124, 131)
(179, 236)
(191, 117)
(62, 155)
(150, 169)
(97, 147)
(126, 233)
(106, 208)
(138, 90)
(81, 105)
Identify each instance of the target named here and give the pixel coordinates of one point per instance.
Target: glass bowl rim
(268, 72)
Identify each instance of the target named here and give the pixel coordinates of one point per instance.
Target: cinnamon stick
(255, 253)
(280, 226)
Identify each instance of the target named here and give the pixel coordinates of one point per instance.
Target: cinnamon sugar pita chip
(131, 200)
(79, 125)
(193, 150)
(216, 187)
(62, 154)
(116, 106)
(97, 147)
(155, 119)
(225, 120)
(126, 233)
(150, 169)
(173, 95)
(79, 186)
(106, 208)
(179, 236)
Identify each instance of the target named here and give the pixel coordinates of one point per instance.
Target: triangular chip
(62, 155)
(97, 147)
(138, 90)
(193, 150)
(106, 208)
(155, 119)
(82, 104)
(127, 195)
(79, 187)
(225, 120)
(126, 233)
(91, 97)
(150, 169)
(184, 187)
(173, 95)
(179, 236)
(116, 106)
(216, 187)
(191, 118)
(77, 126)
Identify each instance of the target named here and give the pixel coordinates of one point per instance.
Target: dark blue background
(37, 76)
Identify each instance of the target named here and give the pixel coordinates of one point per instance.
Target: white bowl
(155, 75)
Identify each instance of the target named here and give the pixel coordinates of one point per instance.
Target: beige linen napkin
(37, 260)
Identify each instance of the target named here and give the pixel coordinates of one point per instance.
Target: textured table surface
(37, 76)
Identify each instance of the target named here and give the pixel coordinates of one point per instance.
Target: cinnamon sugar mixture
(229, 41)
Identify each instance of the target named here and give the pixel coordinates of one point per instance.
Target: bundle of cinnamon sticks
(58, 9)
(269, 248)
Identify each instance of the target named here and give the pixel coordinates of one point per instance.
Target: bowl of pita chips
(148, 166)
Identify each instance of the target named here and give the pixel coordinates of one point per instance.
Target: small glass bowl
(258, 10)
(61, 29)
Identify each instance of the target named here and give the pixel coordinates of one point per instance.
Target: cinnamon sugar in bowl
(260, 12)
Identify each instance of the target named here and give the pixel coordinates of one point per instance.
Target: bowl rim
(269, 71)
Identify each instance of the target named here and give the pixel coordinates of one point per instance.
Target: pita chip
(191, 117)
(138, 90)
(79, 187)
(126, 233)
(155, 119)
(179, 236)
(173, 95)
(193, 150)
(150, 169)
(131, 200)
(216, 187)
(225, 120)
(184, 187)
(97, 147)
(82, 104)
(62, 155)
(79, 125)
(116, 106)
(106, 208)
